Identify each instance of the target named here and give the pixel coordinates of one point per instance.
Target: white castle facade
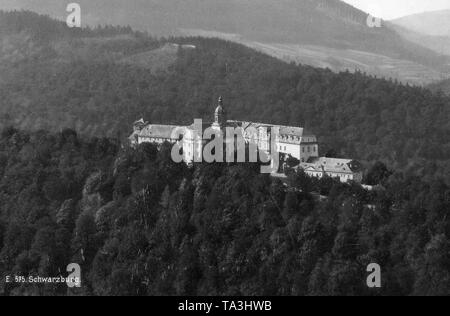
(287, 141)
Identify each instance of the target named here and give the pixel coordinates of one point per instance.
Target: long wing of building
(290, 141)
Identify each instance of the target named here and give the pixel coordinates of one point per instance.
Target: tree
(346, 279)
(291, 204)
(332, 153)
(434, 276)
(377, 174)
(85, 241)
(2, 233)
(277, 192)
(69, 136)
(55, 189)
(188, 272)
(18, 238)
(318, 279)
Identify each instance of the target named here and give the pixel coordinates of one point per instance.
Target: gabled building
(344, 169)
(156, 134)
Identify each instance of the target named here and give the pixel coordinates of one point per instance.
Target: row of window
(344, 176)
(309, 149)
(293, 138)
(158, 140)
(305, 149)
(289, 139)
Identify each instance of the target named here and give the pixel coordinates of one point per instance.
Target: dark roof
(292, 131)
(335, 165)
(158, 131)
(284, 130)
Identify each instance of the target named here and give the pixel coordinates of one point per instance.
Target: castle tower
(220, 115)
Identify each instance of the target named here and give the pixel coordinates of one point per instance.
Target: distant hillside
(338, 60)
(443, 86)
(94, 92)
(439, 44)
(436, 23)
(329, 25)
(429, 29)
(154, 60)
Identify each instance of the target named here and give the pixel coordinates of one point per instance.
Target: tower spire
(220, 115)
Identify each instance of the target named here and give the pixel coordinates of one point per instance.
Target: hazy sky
(391, 9)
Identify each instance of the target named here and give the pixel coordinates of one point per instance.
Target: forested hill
(441, 87)
(139, 224)
(320, 33)
(99, 81)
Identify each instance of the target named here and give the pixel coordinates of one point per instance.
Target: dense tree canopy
(139, 224)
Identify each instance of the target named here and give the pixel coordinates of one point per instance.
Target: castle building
(288, 141)
(344, 169)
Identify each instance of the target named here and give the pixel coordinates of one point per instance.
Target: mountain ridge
(326, 23)
(434, 23)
